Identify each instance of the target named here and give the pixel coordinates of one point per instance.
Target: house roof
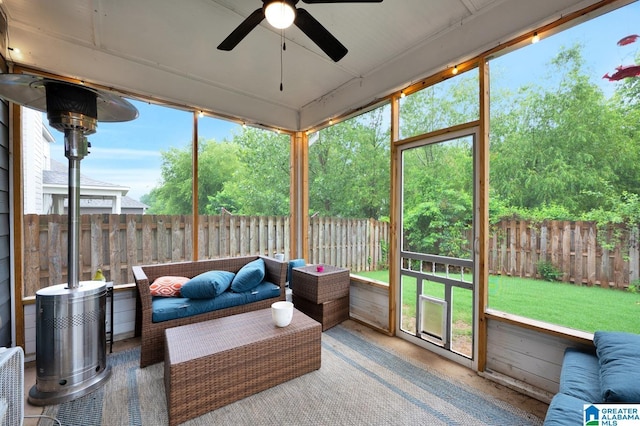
(59, 175)
(126, 203)
(166, 49)
(55, 181)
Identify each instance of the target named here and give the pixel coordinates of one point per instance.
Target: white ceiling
(167, 49)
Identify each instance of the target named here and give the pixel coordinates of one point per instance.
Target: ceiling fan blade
(340, 1)
(242, 30)
(319, 35)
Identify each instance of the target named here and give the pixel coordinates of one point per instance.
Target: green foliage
(438, 198)
(173, 196)
(448, 103)
(548, 271)
(499, 212)
(217, 163)
(560, 144)
(349, 167)
(438, 225)
(384, 247)
(259, 185)
(617, 218)
(562, 151)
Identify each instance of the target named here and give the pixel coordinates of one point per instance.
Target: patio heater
(71, 358)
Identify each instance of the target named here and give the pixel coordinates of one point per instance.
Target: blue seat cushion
(168, 308)
(207, 285)
(565, 410)
(619, 375)
(580, 376)
(249, 276)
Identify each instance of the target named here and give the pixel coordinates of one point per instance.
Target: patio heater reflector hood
(70, 318)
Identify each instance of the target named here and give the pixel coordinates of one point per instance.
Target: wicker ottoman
(213, 363)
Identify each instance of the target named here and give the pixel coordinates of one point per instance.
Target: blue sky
(128, 154)
(599, 39)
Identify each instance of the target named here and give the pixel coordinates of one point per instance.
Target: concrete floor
(403, 347)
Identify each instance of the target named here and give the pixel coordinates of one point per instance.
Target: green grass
(579, 307)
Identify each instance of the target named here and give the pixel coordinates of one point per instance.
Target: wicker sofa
(152, 333)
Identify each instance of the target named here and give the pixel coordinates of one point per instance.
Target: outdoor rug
(359, 383)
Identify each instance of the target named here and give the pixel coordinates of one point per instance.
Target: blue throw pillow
(295, 263)
(249, 276)
(619, 372)
(207, 285)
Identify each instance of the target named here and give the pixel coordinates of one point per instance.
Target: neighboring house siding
(95, 196)
(35, 144)
(5, 253)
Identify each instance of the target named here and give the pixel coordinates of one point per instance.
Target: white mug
(282, 313)
(279, 257)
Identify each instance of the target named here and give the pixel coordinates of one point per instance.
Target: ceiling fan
(281, 14)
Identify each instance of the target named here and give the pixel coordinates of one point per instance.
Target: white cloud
(139, 181)
(123, 153)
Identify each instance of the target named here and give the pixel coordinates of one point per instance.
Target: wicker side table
(324, 296)
(320, 287)
(328, 313)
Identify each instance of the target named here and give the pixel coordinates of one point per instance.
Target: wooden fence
(360, 245)
(117, 242)
(574, 248)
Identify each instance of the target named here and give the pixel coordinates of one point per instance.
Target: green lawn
(578, 307)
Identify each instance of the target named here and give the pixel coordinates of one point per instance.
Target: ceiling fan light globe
(280, 14)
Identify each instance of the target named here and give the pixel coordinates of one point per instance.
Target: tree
(558, 144)
(216, 164)
(451, 102)
(349, 168)
(259, 183)
(247, 175)
(438, 198)
(626, 101)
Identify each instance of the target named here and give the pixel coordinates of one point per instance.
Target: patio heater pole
(73, 110)
(74, 139)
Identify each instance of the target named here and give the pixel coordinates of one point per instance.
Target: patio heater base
(70, 342)
(53, 398)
